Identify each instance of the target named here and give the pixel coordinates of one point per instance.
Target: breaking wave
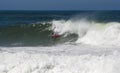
(89, 32)
(80, 31)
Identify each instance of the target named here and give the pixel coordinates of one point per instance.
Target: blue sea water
(27, 17)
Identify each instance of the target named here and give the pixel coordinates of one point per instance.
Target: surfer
(55, 36)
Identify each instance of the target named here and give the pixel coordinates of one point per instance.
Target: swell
(36, 34)
(24, 35)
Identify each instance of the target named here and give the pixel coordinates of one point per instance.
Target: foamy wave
(42, 63)
(90, 32)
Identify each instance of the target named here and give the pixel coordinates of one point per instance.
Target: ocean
(89, 41)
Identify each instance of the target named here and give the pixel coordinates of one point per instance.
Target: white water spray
(90, 32)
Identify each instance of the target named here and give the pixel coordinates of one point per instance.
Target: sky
(59, 4)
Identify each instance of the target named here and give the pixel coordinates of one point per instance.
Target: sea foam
(23, 62)
(66, 58)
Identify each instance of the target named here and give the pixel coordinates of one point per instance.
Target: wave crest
(90, 32)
